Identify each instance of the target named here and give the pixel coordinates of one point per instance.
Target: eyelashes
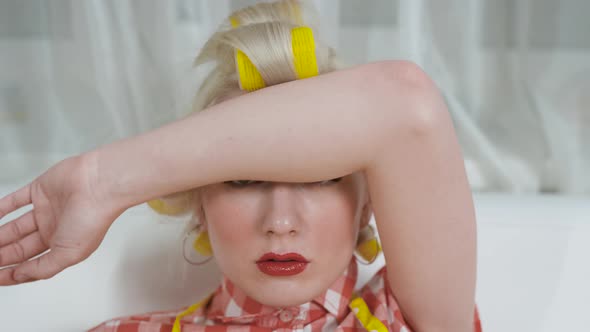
(249, 183)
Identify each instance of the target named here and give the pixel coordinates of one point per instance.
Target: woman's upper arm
(423, 205)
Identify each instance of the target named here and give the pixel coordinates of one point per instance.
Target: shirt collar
(230, 303)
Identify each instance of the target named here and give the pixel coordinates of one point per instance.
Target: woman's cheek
(229, 235)
(337, 235)
(229, 222)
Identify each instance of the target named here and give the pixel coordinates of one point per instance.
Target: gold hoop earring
(201, 246)
(368, 247)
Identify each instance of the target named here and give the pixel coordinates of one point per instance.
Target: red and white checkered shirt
(230, 309)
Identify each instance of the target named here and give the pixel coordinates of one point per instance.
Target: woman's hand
(69, 217)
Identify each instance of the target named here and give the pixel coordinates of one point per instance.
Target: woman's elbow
(406, 95)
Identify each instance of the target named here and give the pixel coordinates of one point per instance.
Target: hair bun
(263, 32)
(293, 12)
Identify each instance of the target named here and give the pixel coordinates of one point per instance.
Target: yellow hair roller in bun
(304, 59)
(303, 46)
(162, 207)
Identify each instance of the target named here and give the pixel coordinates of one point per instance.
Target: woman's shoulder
(377, 288)
(137, 322)
(377, 300)
(165, 320)
(382, 303)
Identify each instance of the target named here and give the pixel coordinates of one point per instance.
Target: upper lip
(290, 256)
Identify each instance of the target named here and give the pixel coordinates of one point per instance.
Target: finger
(22, 250)
(17, 229)
(6, 278)
(15, 201)
(46, 266)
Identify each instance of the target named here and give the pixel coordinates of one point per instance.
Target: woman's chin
(284, 294)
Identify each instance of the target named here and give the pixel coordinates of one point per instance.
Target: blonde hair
(263, 33)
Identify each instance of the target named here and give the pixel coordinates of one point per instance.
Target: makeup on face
(280, 265)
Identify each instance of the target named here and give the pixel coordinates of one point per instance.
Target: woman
(282, 173)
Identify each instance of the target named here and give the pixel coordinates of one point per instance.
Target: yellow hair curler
(304, 59)
(161, 207)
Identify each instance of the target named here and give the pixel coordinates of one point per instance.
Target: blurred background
(515, 73)
(77, 74)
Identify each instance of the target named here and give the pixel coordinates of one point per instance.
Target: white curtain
(515, 73)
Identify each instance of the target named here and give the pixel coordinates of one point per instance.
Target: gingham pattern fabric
(230, 309)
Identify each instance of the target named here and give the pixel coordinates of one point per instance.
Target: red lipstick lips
(282, 265)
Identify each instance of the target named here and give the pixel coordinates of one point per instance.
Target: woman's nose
(280, 226)
(282, 216)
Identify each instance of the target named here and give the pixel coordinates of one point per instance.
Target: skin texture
(385, 119)
(318, 220)
(246, 219)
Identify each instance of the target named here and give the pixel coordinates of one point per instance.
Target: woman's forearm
(375, 118)
(300, 131)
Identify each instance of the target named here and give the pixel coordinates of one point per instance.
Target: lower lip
(274, 268)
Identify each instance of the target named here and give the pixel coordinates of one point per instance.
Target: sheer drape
(515, 74)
